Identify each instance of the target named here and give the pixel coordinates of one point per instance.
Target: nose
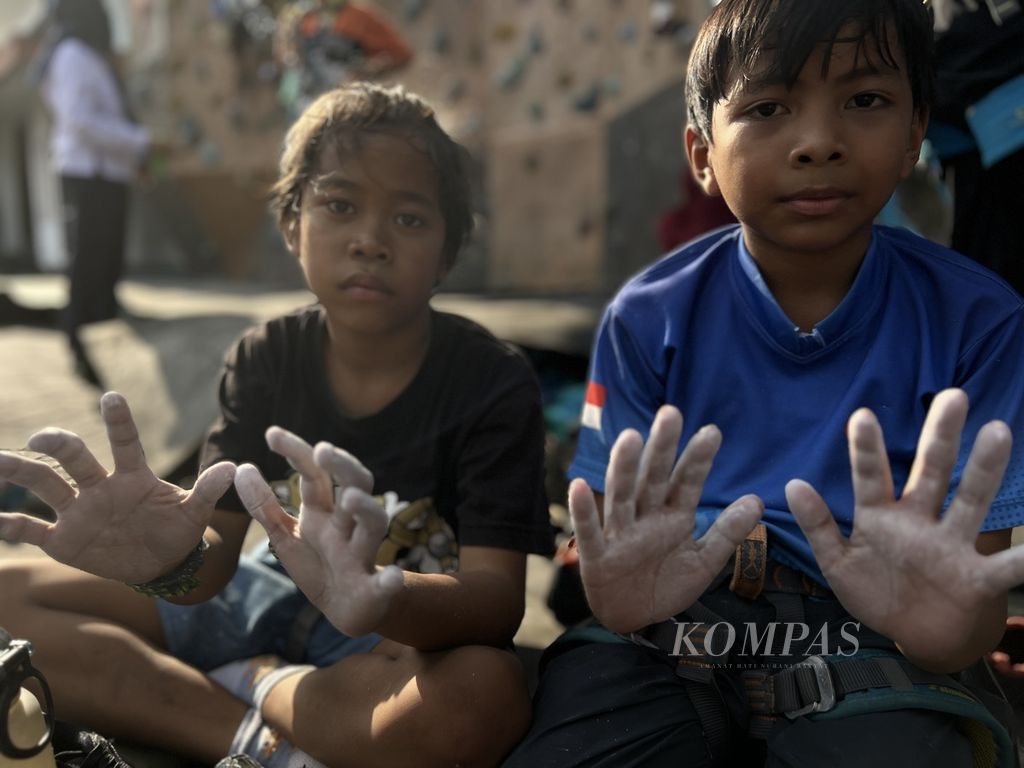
(819, 141)
(370, 243)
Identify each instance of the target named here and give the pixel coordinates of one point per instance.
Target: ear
(698, 153)
(290, 234)
(918, 128)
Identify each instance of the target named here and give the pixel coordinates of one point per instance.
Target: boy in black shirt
(402, 668)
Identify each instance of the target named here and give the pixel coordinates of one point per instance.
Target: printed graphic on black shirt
(418, 538)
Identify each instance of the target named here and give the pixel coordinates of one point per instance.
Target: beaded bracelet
(181, 580)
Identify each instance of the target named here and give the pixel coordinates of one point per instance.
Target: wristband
(181, 580)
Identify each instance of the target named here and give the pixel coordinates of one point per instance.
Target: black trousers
(95, 215)
(618, 705)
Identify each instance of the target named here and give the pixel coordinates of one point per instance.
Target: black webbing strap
(816, 685)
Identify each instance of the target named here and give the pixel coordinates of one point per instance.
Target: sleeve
(502, 502)
(245, 396)
(72, 96)
(624, 391)
(990, 374)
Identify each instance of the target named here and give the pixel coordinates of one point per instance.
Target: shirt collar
(857, 305)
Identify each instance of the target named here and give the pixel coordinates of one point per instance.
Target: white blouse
(92, 135)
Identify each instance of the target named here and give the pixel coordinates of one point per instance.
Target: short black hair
(337, 119)
(774, 39)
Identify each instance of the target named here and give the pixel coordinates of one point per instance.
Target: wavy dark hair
(772, 39)
(337, 119)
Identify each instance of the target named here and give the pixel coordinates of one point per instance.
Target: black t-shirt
(464, 439)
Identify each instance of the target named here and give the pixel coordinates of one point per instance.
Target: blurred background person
(977, 127)
(98, 149)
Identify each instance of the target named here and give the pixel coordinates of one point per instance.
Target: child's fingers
(293, 448)
(937, 449)
(869, 462)
(389, 581)
(262, 504)
(24, 529)
(125, 445)
(656, 461)
(620, 483)
(370, 522)
(585, 522)
(816, 521)
(980, 481)
(691, 471)
(72, 453)
(211, 485)
(38, 477)
(314, 483)
(346, 470)
(1002, 571)
(729, 530)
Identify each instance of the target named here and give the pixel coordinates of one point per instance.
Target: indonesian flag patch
(593, 405)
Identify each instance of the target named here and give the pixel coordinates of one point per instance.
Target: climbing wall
(554, 98)
(557, 96)
(223, 109)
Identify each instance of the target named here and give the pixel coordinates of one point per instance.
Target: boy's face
(370, 233)
(806, 170)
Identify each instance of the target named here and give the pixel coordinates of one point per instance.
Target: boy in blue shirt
(803, 116)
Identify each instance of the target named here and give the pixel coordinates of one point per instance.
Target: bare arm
(225, 534)
(481, 604)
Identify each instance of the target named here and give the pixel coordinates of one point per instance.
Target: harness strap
(818, 685)
(749, 564)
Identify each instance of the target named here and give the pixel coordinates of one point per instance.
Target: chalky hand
(127, 524)
(330, 550)
(905, 571)
(642, 564)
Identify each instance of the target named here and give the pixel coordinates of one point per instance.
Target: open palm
(331, 549)
(127, 524)
(642, 564)
(905, 571)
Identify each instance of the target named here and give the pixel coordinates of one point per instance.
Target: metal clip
(826, 690)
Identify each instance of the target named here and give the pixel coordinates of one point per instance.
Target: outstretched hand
(127, 524)
(642, 564)
(905, 571)
(331, 549)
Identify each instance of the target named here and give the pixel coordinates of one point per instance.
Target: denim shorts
(253, 615)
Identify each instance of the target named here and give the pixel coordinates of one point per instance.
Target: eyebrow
(337, 181)
(752, 85)
(861, 72)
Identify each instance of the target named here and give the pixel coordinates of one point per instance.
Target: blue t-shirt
(700, 330)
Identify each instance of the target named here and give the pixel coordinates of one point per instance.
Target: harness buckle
(826, 689)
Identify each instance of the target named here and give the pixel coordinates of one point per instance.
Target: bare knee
(33, 591)
(15, 595)
(486, 705)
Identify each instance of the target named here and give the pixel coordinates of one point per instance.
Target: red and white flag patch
(593, 405)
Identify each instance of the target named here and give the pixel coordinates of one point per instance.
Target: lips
(816, 201)
(363, 283)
